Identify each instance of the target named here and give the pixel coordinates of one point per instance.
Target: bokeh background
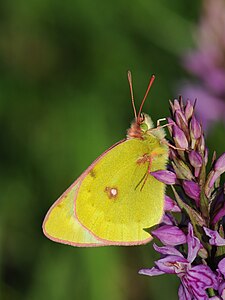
(64, 99)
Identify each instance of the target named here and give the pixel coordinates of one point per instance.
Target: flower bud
(181, 120)
(176, 105)
(164, 176)
(188, 110)
(192, 189)
(218, 169)
(179, 138)
(195, 128)
(220, 164)
(195, 159)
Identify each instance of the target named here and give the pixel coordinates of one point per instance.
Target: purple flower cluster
(192, 229)
(207, 64)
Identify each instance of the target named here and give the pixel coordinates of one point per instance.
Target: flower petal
(167, 250)
(170, 205)
(170, 235)
(201, 276)
(151, 272)
(221, 266)
(221, 290)
(215, 238)
(167, 219)
(194, 244)
(164, 176)
(183, 293)
(172, 264)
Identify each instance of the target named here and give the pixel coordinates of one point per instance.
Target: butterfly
(116, 200)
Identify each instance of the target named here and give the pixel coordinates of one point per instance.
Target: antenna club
(129, 75)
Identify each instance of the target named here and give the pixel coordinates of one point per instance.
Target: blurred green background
(64, 99)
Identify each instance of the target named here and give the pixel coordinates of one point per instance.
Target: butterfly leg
(160, 120)
(146, 158)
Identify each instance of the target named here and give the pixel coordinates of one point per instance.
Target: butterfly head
(140, 126)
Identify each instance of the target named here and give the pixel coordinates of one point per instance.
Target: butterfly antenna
(132, 93)
(146, 94)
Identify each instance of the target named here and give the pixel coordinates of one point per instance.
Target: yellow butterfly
(116, 199)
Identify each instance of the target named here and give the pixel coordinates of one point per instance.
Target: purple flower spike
(179, 138)
(192, 189)
(164, 176)
(215, 238)
(170, 235)
(170, 205)
(195, 128)
(195, 159)
(199, 201)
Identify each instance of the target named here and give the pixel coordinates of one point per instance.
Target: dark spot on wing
(112, 192)
(93, 173)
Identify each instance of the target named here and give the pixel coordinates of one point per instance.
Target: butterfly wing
(114, 201)
(107, 204)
